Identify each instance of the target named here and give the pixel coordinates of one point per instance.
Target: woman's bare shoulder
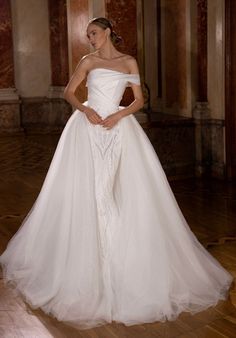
(132, 64)
(87, 60)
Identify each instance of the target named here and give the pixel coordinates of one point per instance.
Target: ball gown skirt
(105, 240)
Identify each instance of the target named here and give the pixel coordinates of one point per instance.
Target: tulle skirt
(105, 240)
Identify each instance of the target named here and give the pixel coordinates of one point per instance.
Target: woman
(105, 240)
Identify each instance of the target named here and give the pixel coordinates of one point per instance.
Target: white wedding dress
(105, 240)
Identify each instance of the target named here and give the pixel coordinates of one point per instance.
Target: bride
(105, 240)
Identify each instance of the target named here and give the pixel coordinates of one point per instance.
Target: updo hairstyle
(104, 24)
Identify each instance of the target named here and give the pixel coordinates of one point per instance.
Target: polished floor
(208, 205)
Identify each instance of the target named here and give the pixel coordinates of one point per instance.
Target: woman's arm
(137, 103)
(78, 76)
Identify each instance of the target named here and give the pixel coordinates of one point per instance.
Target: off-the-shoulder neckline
(111, 70)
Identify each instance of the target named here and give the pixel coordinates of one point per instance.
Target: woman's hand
(111, 120)
(92, 115)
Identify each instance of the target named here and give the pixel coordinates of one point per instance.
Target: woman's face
(97, 36)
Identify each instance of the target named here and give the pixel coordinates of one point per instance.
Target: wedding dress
(105, 240)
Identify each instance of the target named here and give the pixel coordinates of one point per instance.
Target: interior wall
(170, 55)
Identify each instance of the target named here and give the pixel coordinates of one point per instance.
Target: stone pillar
(201, 112)
(9, 99)
(216, 84)
(30, 25)
(31, 47)
(209, 110)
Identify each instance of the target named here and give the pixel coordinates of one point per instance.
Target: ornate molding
(56, 92)
(8, 94)
(201, 111)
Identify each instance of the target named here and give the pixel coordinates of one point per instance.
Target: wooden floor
(209, 207)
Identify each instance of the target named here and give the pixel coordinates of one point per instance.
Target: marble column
(209, 110)
(30, 23)
(9, 99)
(216, 84)
(201, 111)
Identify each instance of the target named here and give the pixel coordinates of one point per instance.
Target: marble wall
(124, 20)
(216, 84)
(58, 42)
(77, 17)
(202, 56)
(174, 54)
(9, 100)
(58, 109)
(6, 51)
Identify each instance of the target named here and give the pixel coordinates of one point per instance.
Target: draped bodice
(106, 88)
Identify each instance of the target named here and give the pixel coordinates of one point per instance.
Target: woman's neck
(108, 52)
